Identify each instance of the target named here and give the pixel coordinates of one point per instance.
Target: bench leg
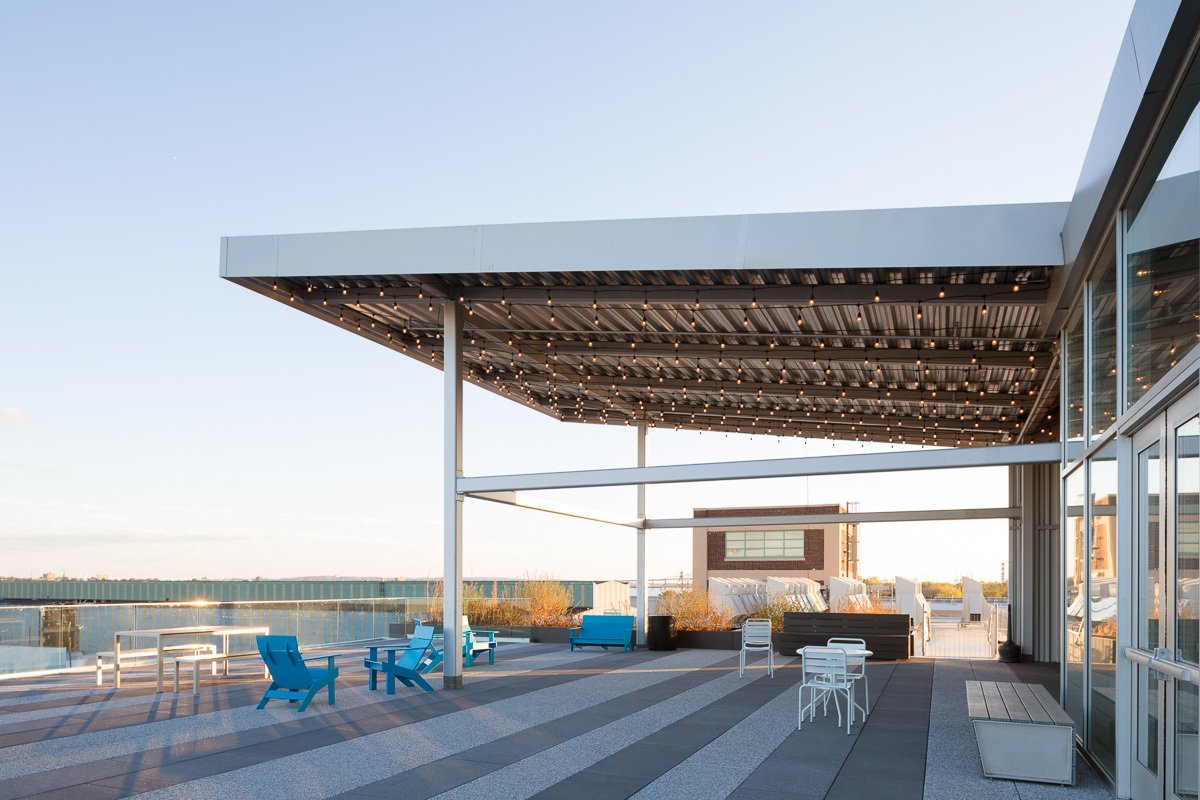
(175, 682)
(196, 678)
(99, 673)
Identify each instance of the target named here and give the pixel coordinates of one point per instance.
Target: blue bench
(603, 631)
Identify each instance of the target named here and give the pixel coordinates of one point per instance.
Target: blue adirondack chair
(408, 668)
(291, 678)
(474, 642)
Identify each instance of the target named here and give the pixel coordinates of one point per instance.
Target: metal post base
(452, 681)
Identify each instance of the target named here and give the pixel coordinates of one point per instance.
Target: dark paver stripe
(891, 749)
(633, 768)
(445, 774)
(162, 767)
(808, 761)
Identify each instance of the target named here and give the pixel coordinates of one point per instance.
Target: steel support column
(641, 539)
(452, 589)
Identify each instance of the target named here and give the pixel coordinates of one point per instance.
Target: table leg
(117, 661)
(158, 644)
(391, 676)
(372, 675)
(225, 644)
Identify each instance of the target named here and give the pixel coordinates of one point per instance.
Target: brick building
(810, 550)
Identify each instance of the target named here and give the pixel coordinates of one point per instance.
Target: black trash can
(660, 632)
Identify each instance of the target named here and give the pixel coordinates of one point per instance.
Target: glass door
(1166, 480)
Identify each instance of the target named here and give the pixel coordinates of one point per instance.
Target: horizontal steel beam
(850, 518)
(750, 296)
(535, 503)
(942, 357)
(798, 420)
(904, 461)
(602, 386)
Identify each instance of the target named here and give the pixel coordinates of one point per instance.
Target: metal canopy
(919, 326)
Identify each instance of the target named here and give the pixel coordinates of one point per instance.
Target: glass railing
(62, 637)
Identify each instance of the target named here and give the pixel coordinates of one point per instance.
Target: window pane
(1076, 577)
(764, 544)
(1103, 622)
(1104, 342)
(1149, 488)
(1187, 541)
(1162, 267)
(1074, 382)
(1187, 599)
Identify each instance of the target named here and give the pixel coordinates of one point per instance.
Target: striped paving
(542, 722)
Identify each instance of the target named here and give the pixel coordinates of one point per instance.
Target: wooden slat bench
(149, 652)
(211, 658)
(1022, 733)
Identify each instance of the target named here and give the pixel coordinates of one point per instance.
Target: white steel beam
(859, 517)
(452, 587)
(894, 461)
(538, 503)
(641, 538)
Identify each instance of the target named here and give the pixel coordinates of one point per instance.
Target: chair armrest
(574, 630)
(386, 647)
(318, 658)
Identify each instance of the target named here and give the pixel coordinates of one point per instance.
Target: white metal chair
(856, 666)
(824, 674)
(756, 637)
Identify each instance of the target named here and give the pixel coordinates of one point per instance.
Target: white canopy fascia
(960, 236)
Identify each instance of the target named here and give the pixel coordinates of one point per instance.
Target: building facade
(808, 550)
(1130, 474)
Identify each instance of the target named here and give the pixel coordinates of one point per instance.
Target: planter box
(710, 640)
(547, 635)
(886, 635)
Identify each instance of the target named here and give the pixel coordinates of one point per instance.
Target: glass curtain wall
(1102, 610)
(1073, 380)
(1102, 355)
(1075, 563)
(1162, 267)
(1138, 318)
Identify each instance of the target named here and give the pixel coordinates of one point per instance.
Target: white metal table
(851, 652)
(159, 635)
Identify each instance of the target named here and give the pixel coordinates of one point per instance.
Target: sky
(156, 421)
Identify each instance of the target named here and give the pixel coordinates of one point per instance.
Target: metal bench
(212, 658)
(129, 655)
(1022, 733)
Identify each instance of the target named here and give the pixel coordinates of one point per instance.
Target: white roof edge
(1009, 235)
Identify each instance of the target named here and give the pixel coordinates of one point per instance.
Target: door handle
(1162, 665)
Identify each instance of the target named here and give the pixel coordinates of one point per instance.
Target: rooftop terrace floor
(543, 722)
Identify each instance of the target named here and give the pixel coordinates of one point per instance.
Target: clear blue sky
(157, 421)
